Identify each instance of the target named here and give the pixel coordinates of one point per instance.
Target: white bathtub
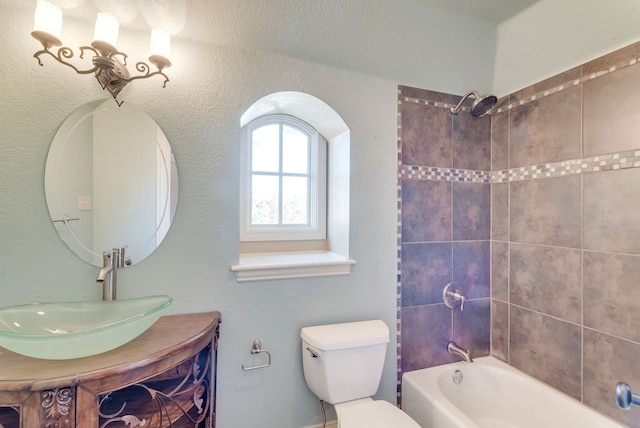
(492, 394)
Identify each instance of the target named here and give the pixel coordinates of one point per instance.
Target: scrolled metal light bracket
(110, 71)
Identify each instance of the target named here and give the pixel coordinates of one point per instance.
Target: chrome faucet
(111, 261)
(454, 349)
(107, 276)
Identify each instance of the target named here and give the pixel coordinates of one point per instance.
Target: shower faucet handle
(452, 297)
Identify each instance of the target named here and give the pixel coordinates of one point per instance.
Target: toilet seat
(375, 414)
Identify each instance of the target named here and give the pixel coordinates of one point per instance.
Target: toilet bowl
(368, 413)
(343, 365)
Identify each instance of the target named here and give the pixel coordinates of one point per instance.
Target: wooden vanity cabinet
(166, 377)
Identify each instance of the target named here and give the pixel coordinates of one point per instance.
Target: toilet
(343, 365)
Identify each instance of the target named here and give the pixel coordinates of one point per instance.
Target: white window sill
(264, 266)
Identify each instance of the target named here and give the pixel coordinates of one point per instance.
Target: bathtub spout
(454, 349)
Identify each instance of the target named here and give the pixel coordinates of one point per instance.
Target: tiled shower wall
(444, 204)
(564, 235)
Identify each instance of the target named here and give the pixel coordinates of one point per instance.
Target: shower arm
(456, 109)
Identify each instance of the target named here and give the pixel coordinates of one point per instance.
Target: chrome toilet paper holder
(256, 348)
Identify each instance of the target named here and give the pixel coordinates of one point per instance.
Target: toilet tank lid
(346, 335)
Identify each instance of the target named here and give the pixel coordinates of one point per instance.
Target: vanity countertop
(166, 343)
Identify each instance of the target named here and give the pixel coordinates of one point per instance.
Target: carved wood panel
(179, 397)
(57, 407)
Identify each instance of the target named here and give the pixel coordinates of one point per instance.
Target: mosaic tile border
(608, 162)
(612, 161)
(443, 174)
(431, 103)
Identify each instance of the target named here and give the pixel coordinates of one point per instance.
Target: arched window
(294, 190)
(283, 181)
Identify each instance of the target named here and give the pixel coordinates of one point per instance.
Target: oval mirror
(111, 181)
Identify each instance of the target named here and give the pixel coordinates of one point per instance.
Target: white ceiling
(496, 11)
(128, 12)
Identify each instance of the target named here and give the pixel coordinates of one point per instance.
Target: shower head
(480, 107)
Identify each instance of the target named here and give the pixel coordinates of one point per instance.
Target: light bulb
(160, 48)
(160, 43)
(48, 19)
(106, 30)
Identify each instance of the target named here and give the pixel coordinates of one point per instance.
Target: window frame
(316, 228)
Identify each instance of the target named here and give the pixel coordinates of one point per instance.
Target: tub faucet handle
(625, 398)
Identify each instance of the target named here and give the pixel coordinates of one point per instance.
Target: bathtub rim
(449, 410)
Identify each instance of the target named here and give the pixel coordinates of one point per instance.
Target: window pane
(265, 151)
(295, 149)
(264, 199)
(294, 200)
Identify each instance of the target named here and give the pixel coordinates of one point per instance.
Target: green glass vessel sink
(65, 330)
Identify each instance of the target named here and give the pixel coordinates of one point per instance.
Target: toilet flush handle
(313, 354)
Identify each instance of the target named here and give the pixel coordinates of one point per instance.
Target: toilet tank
(344, 362)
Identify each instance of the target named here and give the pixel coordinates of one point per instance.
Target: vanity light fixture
(109, 64)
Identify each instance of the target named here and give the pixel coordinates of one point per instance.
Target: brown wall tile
(611, 112)
(426, 330)
(500, 211)
(471, 268)
(426, 211)
(611, 211)
(546, 130)
(547, 279)
(472, 142)
(500, 141)
(426, 135)
(500, 270)
(546, 211)
(612, 294)
(546, 348)
(426, 269)
(471, 211)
